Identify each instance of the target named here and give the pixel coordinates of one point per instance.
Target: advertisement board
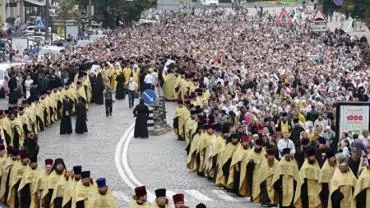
(353, 117)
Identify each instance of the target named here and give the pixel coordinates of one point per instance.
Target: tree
(355, 8)
(67, 10)
(111, 12)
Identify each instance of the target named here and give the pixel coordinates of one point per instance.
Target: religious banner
(353, 117)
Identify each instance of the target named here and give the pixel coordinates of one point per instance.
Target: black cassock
(361, 199)
(81, 118)
(25, 197)
(58, 202)
(65, 123)
(93, 80)
(120, 90)
(324, 195)
(13, 97)
(80, 204)
(141, 113)
(98, 91)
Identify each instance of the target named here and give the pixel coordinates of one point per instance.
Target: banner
(353, 118)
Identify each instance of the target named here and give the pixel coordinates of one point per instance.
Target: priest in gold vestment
(326, 173)
(267, 173)
(102, 197)
(285, 181)
(310, 186)
(362, 189)
(250, 172)
(341, 187)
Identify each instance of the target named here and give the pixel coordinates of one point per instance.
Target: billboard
(353, 117)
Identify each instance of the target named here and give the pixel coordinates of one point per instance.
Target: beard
(311, 162)
(59, 172)
(344, 171)
(103, 192)
(332, 163)
(257, 150)
(287, 158)
(271, 161)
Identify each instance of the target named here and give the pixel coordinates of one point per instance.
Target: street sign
(40, 24)
(319, 17)
(284, 18)
(319, 22)
(338, 2)
(149, 97)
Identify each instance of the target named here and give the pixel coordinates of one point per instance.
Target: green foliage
(110, 12)
(67, 10)
(355, 8)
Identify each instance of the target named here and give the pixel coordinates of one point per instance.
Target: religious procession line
(192, 194)
(131, 181)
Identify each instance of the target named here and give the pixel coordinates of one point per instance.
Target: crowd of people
(257, 109)
(23, 182)
(246, 87)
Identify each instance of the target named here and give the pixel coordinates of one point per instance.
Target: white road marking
(118, 159)
(125, 165)
(120, 196)
(196, 194)
(122, 163)
(223, 195)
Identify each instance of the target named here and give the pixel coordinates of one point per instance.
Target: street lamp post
(90, 14)
(47, 18)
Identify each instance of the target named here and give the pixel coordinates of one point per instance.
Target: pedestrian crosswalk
(191, 194)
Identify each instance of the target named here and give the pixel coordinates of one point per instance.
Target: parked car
(30, 29)
(51, 49)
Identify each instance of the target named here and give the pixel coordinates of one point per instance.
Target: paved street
(156, 162)
(160, 162)
(109, 150)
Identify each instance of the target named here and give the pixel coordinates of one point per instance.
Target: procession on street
(259, 108)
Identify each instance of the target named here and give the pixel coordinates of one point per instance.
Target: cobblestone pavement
(156, 162)
(160, 162)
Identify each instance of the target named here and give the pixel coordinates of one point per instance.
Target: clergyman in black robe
(93, 80)
(81, 117)
(13, 93)
(120, 89)
(99, 88)
(65, 122)
(141, 112)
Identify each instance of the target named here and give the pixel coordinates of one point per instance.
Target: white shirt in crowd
(227, 109)
(323, 123)
(206, 82)
(132, 86)
(148, 79)
(154, 78)
(286, 143)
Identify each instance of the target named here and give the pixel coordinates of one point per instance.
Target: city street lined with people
(256, 111)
